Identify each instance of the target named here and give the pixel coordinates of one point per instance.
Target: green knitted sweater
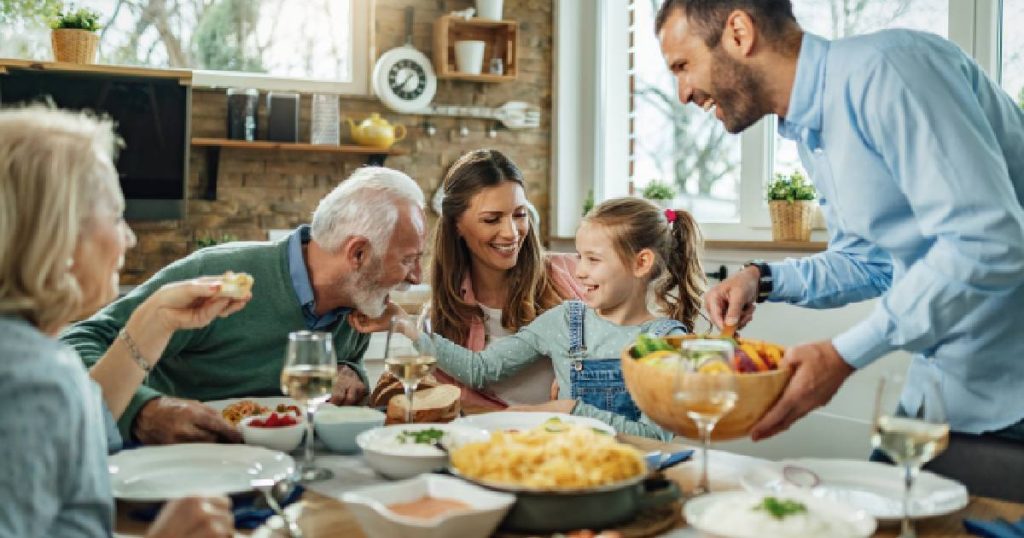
(240, 355)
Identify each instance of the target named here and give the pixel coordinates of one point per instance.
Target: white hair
(366, 204)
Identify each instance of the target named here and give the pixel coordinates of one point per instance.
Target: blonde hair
(56, 168)
(677, 275)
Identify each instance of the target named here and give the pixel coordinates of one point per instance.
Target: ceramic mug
(469, 56)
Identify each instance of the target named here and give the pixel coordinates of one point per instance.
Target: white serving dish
(395, 461)
(522, 420)
(860, 524)
(157, 473)
(369, 506)
(283, 438)
(876, 488)
(338, 427)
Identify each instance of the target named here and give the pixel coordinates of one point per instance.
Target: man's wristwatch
(764, 281)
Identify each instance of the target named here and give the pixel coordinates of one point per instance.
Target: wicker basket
(74, 46)
(791, 221)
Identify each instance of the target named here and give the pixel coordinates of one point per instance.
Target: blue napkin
(247, 514)
(659, 461)
(997, 528)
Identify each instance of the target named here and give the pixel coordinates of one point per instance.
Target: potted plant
(74, 36)
(791, 203)
(659, 192)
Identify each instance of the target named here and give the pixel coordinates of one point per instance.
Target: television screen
(152, 117)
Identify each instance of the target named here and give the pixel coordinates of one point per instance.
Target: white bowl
(369, 506)
(393, 460)
(338, 427)
(718, 515)
(283, 438)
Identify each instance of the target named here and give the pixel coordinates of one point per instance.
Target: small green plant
(80, 19)
(790, 187)
(588, 202)
(1020, 98)
(209, 240)
(659, 190)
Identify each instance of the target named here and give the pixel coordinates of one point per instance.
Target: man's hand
(554, 406)
(195, 517)
(365, 324)
(348, 388)
(731, 302)
(818, 372)
(167, 420)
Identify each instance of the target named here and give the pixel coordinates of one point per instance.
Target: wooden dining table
(321, 516)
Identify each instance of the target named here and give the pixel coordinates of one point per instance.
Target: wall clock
(403, 77)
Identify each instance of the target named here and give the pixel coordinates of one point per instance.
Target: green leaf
(790, 188)
(658, 190)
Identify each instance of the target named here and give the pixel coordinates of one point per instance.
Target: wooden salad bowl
(653, 387)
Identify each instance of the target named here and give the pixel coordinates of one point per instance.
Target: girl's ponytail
(679, 291)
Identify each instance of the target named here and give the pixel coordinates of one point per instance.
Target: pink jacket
(562, 271)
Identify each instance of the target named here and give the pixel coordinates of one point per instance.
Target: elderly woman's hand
(195, 517)
(192, 303)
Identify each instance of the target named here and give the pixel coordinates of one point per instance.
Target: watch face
(407, 79)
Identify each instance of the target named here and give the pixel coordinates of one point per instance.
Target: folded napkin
(659, 461)
(997, 528)
(250, 511)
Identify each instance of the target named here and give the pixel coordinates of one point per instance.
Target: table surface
(321, 515)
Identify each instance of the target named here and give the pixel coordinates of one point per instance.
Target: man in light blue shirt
(918, 158)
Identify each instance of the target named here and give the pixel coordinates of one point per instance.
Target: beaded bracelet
(134, 351)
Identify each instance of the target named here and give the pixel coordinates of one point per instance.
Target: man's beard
(367, 295)
(739, 92)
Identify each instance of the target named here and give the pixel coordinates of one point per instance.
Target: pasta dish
(554, 455)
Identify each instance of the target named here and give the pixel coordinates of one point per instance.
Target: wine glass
(910, 441)
(310, 367)
(411, 363)
(705, 398)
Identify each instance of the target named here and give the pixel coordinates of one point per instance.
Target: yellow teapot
(376, 132)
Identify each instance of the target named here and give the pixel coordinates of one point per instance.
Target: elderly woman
(490, 275)
(62, 243)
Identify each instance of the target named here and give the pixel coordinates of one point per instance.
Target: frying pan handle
(658, 491)
(408, 25)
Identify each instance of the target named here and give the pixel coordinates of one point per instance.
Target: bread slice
(438, 404)
(235, 285)
(388, 386)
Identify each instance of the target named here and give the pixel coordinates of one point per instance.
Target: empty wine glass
(705, 398)
(310, 367)
(411, 363)
(910, 441)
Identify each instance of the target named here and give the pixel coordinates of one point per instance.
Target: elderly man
(919, 160)
(366, 239)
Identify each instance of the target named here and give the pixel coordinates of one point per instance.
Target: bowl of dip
(338, 426)
(428, 506)
(406, 450)
(793, 514)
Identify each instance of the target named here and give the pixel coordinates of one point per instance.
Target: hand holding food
(167, 420)
(235, 285)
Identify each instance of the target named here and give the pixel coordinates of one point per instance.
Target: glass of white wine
(310, 367)
(412, 363)
(910, 441)
(705, 398)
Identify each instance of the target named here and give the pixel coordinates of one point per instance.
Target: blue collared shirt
(303, 288)
(918, 158)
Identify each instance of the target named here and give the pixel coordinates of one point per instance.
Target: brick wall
(260, 190)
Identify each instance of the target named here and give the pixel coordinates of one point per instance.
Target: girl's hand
(196, 517)
(554, 406)
(365, 324)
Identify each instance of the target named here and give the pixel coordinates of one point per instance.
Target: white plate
(157, 473)
(862, 524)
(875, 487)
(520, 420)
(266, 401)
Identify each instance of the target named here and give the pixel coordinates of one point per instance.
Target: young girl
(627, 247)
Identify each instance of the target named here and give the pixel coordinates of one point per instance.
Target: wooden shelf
(184, 76)
(501, 40)
(375, 156)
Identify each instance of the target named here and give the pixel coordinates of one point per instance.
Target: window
(720, 177)
(316, 45)
(1013, 50)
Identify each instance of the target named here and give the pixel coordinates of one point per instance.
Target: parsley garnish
(422, 437)
(781, 508)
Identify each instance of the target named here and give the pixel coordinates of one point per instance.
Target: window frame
(975, 25)
(363, 56)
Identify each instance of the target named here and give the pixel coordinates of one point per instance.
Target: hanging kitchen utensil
(403, 77)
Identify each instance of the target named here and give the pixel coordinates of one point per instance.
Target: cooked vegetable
(781, 508)
(422, 437)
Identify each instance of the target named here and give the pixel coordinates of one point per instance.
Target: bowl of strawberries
(760, 380)
(276, 431)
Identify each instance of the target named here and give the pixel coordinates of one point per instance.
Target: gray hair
(366, 204)
(56, 173)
